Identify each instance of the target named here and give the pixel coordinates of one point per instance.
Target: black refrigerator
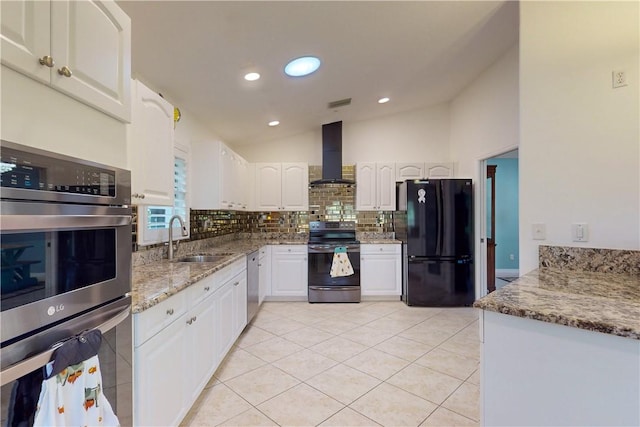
(434, 221)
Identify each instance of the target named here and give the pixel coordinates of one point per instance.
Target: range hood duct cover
(332, 156)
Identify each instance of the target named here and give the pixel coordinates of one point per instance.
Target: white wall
(484, 122)
(420, 134)
(579, 147)
(36, 115)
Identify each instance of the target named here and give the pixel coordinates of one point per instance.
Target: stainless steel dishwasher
(253, 290)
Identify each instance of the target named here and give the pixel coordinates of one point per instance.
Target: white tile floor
(367, 364)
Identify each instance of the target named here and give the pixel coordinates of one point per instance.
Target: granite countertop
(378, 241)
(595, 301)
(156, 281)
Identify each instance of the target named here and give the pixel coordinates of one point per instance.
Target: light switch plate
(580, 232)
(538, 231)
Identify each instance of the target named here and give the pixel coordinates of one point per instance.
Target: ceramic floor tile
(349, 418)
(253, 335)
(429, 336)
(264, 316)
(391, 406)
(300, 406)
(359, 317)
(262, 384)
(366, 336)
(404, 348)
(274, 349)
(308, 318)
(444, 417)
(474, 378)
(392, 326)
(250, 418)
(335, 326)
(304, 364)
(282, 326)
(383, 308)
(465, 401)
(453, 364)
(308, 336)
(217, 405)
(338, 348)
(237, 363)
(376, 363)
(414, 314)
(464, 346)
(343, 383)
(426, 383)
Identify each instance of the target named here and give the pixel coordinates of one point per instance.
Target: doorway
(499, 178)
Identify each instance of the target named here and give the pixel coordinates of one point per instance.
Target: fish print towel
(341, 266)
(72, 395)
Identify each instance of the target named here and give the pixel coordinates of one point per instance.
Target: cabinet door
(227, 178)
(289, 271)
(295, 186)
(380, 274)
(239, 303)
(440, 170)
(406, 171)
(264, 271)
(160, 367)
(93, 40)
(200, 348)
(386, 186)
(25, 35)
(224, 319)
(150, 143)
(241, 181)
(366, 199)
(268, 186)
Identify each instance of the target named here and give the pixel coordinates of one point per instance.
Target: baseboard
(504, 272)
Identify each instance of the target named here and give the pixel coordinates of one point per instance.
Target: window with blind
(153, 221)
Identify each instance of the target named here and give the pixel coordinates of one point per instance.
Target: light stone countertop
(595, 301)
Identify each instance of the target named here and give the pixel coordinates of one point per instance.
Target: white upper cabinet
(150, 147)
(375, 186)
(81, 48)
(220, 177)
(439, 170)
(282, 186)
(406, 171)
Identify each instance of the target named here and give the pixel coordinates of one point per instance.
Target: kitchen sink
(203, 258)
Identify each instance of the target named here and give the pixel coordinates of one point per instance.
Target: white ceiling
(418, 53)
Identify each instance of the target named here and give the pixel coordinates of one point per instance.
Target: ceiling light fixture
(274, 123)
(302, 66)
(252, 76)
(383, 100)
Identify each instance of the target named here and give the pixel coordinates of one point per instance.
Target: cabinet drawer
(202, 289)
(224, 275)
(380, 249)
(151, 321)
(289, 249)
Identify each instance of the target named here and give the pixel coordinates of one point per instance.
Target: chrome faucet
(184, 233)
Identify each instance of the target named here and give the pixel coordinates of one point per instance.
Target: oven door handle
(21, 369)
(329, 249)
(65, 222)
(333, 288)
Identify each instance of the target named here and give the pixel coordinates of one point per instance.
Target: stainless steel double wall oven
(66, 269)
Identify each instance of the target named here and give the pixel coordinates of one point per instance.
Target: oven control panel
(31, 171)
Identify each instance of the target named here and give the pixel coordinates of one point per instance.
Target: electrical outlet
(512, 257)
(538, 232)
(580, 232)
(619, 79)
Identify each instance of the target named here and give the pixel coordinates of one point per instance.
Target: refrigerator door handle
(20, 369)
(439, 200)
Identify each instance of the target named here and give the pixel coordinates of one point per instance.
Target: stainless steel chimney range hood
(332, 157)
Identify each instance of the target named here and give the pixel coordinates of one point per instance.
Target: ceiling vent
(340, 103)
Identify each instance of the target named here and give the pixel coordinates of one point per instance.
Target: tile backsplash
(326, 203)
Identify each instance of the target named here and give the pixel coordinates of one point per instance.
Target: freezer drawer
(436, 283)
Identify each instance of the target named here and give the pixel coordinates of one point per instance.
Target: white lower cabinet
(264, 273)
(289, 270)
(179, 343)
(380, 270)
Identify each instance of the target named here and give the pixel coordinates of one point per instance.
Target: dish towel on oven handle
(72, 393)
(341, 266)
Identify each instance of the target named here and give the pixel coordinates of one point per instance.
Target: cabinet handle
(236, 284)
(170, 311)
(137, 196)
(194, 318)
(47, 60)
(65, 71)
(381, 249)
(259, 265)
(207, 288)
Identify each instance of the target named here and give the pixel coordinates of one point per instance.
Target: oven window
(40, 265)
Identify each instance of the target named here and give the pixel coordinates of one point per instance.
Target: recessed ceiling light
(383, 100)
(274, 123)
(251, 76)
(302, 66)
